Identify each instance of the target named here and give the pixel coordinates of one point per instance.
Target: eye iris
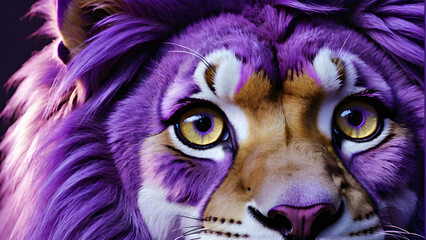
(203, 124)
(357, 119)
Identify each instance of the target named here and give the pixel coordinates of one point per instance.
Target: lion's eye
(357, 120)
(201, 126)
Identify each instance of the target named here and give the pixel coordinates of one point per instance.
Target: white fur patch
(227, 72)
(163, 218)
(326, 71)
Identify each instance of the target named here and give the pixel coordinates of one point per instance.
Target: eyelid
(374, 97)
(187, 104)
(371, 97)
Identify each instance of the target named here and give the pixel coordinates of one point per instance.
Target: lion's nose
(302, 222)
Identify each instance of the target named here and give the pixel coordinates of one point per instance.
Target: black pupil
(203, 124)
(355, 118)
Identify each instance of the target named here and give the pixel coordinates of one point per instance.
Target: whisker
(180, 228)
(191, 232)
(191, 226)
(185, 47)
(359, 54)
(393, 234)
(396, 234)
(195, 228)
(401, 230)
(195, 55)
(344, 43)
(193, 51)
(193, 218)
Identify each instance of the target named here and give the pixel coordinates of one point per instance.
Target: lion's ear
(76, 18)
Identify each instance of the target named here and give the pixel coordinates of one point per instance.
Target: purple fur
(70, 169)
(171, 102)
(183, 177)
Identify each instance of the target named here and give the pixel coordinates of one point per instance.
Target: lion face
(248, 146)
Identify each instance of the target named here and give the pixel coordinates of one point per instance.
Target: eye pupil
(355, 118)
(203, 124)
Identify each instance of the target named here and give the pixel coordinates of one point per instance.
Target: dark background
(16, 46)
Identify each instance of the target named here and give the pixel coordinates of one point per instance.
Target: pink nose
(306, 222)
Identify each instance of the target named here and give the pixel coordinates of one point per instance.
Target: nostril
(275, 220)
(280, 222)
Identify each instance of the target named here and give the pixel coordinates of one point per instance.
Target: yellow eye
(201, 126)
(357, 119)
